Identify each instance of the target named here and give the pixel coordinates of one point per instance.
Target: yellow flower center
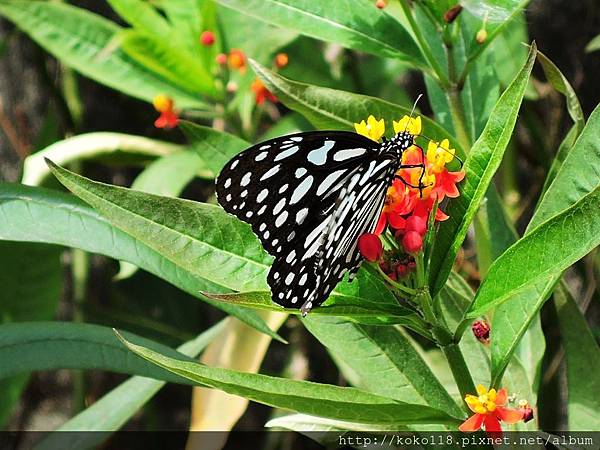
(484, 402)
(372, 128)
(438, 154)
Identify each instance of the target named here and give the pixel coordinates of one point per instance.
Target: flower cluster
(168, 116)
(490, 408)
(413, 194)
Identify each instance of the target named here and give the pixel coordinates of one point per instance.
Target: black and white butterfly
(309, 197)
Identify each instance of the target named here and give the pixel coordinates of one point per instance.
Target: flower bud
(481, 36)
(416, 223)
(481, 330)
(452, 13)
(380, 4)
(370, 247)
(221, 59)
(207, 38)
(162, 103)
(412, 242)
(526, 410)
(232, 87)
(237, 59)
(402, 270)
(281, 60)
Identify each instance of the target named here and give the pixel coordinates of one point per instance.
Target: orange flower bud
(207, 38)
(481, 36)
(281, 60)
(237, 59)
(380, 4)
(452, 13)
(221, 59)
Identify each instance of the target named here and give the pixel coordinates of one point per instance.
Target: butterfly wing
(297, 192)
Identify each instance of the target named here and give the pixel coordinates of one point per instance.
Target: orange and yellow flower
(490, 409)
(168, 116)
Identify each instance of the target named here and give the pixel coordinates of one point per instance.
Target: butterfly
(309, 197)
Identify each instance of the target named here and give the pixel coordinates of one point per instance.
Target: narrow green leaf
(578, 175)
(394, 367)
(355, 25)
(302, 396)
(115, 408)
(166, 176)
(92, 145)
(31, 280)
(562, 85)
(88, 43)
(541, 254)
(33, 346)
(583, 362)
(175, 64)
(142, 16)
(481, 164)
(40, 215)
(593, 45)
(216, 148)
(338, 110)
(355, 308)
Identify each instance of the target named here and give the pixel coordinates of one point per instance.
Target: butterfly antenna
(412, 111)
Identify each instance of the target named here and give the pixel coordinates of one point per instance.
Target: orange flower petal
(508, 416)
(473, 423)
(501, 397)
(492, 425)
(381, 223)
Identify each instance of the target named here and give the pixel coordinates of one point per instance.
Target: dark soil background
(32, 115)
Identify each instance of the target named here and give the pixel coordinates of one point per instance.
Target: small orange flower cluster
(413, 194)
(490, 408)
(168, 116)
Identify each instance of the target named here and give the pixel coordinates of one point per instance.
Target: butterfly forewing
(308, 197)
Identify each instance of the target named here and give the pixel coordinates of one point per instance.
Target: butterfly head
(400, 142)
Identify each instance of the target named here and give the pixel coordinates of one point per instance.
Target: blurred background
(41, 102)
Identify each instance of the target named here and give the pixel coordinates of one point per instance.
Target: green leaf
(394, 368)
(31, 280)
(355, 308)
(355, 25)
(216, 148)
(115, 408)
(578, 175)
(175, 64)
(166, 176)
(33, 346)
(92, 145)
(142, 16)
(302, 396)
(481, 164)
(593, 45)
(541, 254)
(562, 85)
(583, 362)
(88, 43)
(40, 215)
(338, 110)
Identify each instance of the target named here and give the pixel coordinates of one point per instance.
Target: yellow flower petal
(373, 129)
(481, 389)
(412, 125)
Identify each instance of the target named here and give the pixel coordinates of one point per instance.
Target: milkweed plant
(440, 329)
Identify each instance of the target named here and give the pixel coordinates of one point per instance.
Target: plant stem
(459, 369)
(458, 117)
(435, 65)
(394, 284)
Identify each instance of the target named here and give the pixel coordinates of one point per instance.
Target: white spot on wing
(343, 155)
(300, 172)
(301, 189)
(272, 171)
(261, 156)
(301, 215)
(329, 180)
(284, 154)
(289, 278)
(227, 183)
(246, 179)
(262, 195)
(319, 155)
(303, 279)
(279, 206)
(281, 218)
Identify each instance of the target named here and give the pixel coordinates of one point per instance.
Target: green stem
(458, 117)
(459, 369)
(435, 65)
(394, 284)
